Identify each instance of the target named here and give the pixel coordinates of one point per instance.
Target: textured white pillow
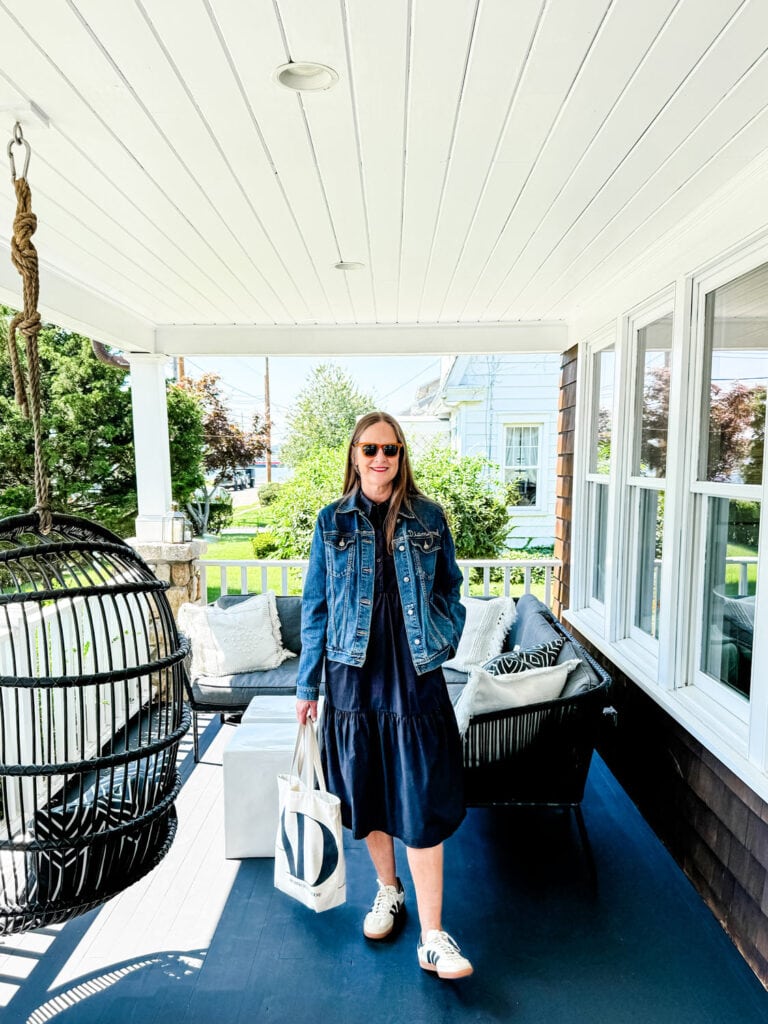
(484, 692)
(488, 623)
(244, 637)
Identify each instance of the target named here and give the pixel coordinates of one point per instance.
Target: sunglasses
(369, 450)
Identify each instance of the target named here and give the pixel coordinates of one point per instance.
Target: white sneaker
(438, 952)
(386, 912)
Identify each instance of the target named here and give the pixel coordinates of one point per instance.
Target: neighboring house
(505, 408)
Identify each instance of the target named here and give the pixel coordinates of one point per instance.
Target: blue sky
(391, 380)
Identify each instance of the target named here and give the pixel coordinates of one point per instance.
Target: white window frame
(584, 482)
(746, 721)
(656, 308)
(741, 744)
(543, 483)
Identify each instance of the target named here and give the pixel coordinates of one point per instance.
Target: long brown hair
(403, 486)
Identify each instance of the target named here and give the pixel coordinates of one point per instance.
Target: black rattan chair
(91, 715)
(539, 755)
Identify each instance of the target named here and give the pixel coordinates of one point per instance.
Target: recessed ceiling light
(306, 76)
(344, 265)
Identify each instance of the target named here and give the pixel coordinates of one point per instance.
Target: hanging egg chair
(91, 696)
(91, 715)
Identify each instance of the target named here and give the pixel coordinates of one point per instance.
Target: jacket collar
(350, 504)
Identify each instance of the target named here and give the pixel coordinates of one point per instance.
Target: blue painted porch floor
(204, 939)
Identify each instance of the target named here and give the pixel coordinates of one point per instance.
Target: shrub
(269, 493)
(265, 544)
(476, 506)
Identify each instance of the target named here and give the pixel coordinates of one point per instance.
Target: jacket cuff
(307, 692)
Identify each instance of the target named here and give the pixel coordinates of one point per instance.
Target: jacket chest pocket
(425, 548)
(339, 552)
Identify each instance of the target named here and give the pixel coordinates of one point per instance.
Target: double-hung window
(597, 447)
(651, 339)
(522, 458)
(727, 485)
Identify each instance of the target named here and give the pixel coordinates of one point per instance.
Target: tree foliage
(87, 426)
(315, 482)
(325, 414)
(226, 447)
(475, 505)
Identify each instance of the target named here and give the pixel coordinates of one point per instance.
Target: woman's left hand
(306, 709)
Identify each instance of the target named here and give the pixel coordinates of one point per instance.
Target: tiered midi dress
(391, 748)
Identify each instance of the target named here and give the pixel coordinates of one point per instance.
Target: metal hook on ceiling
(17, 139)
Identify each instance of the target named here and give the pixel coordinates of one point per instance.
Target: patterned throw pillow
(540, 656)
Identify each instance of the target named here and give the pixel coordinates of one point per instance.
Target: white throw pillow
(488, 623)
(484, 692)
(244, 637)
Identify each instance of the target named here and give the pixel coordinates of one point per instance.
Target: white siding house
(504, 407)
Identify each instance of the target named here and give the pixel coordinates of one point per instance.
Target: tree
(325, 414)
(226, 447)
(87, 425)
(315, 482)
(476, 507)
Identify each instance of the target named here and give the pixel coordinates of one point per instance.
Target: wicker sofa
(539, 754)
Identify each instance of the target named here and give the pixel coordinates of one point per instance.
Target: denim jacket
(337, 602)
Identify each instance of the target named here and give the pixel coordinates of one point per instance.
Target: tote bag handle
(305, 763)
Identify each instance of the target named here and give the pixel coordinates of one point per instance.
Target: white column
(150, 437)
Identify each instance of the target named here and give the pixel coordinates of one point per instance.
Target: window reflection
(603, 412)
(730, 586)
(599, 523)
(649, 553)
(654, 350)
(736, 339)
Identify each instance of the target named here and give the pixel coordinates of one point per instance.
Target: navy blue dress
(391, 749)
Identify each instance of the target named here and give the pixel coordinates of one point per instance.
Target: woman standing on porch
(381, 610)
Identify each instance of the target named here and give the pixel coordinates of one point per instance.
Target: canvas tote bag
(309, 851)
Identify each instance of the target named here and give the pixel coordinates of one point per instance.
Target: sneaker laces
(385, 897)
(444, 944)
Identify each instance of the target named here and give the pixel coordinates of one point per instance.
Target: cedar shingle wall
(711, 822)
(565, 432)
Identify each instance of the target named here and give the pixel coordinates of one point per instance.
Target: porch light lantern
(174, 526)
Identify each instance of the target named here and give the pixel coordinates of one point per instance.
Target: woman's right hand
(306, 709)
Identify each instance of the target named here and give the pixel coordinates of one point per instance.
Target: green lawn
(251, 515)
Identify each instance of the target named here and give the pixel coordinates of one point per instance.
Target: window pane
(600, 461)
(599, 523)
(736, 357)
(730, 587)
(654, 349)
(648, 561)
(521, 462)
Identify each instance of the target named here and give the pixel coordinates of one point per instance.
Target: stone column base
(176, 564)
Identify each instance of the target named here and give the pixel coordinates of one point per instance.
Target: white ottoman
(252, 760)
(273, 709)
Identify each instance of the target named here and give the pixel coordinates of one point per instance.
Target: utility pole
(268, 417)
(180, 368)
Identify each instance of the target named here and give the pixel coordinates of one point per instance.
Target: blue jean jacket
(337, 602)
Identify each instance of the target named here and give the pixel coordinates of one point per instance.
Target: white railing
(743, 562)
(234, 575)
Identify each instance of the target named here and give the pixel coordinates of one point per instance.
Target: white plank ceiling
(489, 162)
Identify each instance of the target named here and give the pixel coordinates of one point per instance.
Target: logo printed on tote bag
(295, 854)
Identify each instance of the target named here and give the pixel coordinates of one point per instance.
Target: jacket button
(406, 579)
(401, 548)
(417, 642)
(410, 611)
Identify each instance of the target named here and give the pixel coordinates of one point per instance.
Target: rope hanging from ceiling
(91, 694)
